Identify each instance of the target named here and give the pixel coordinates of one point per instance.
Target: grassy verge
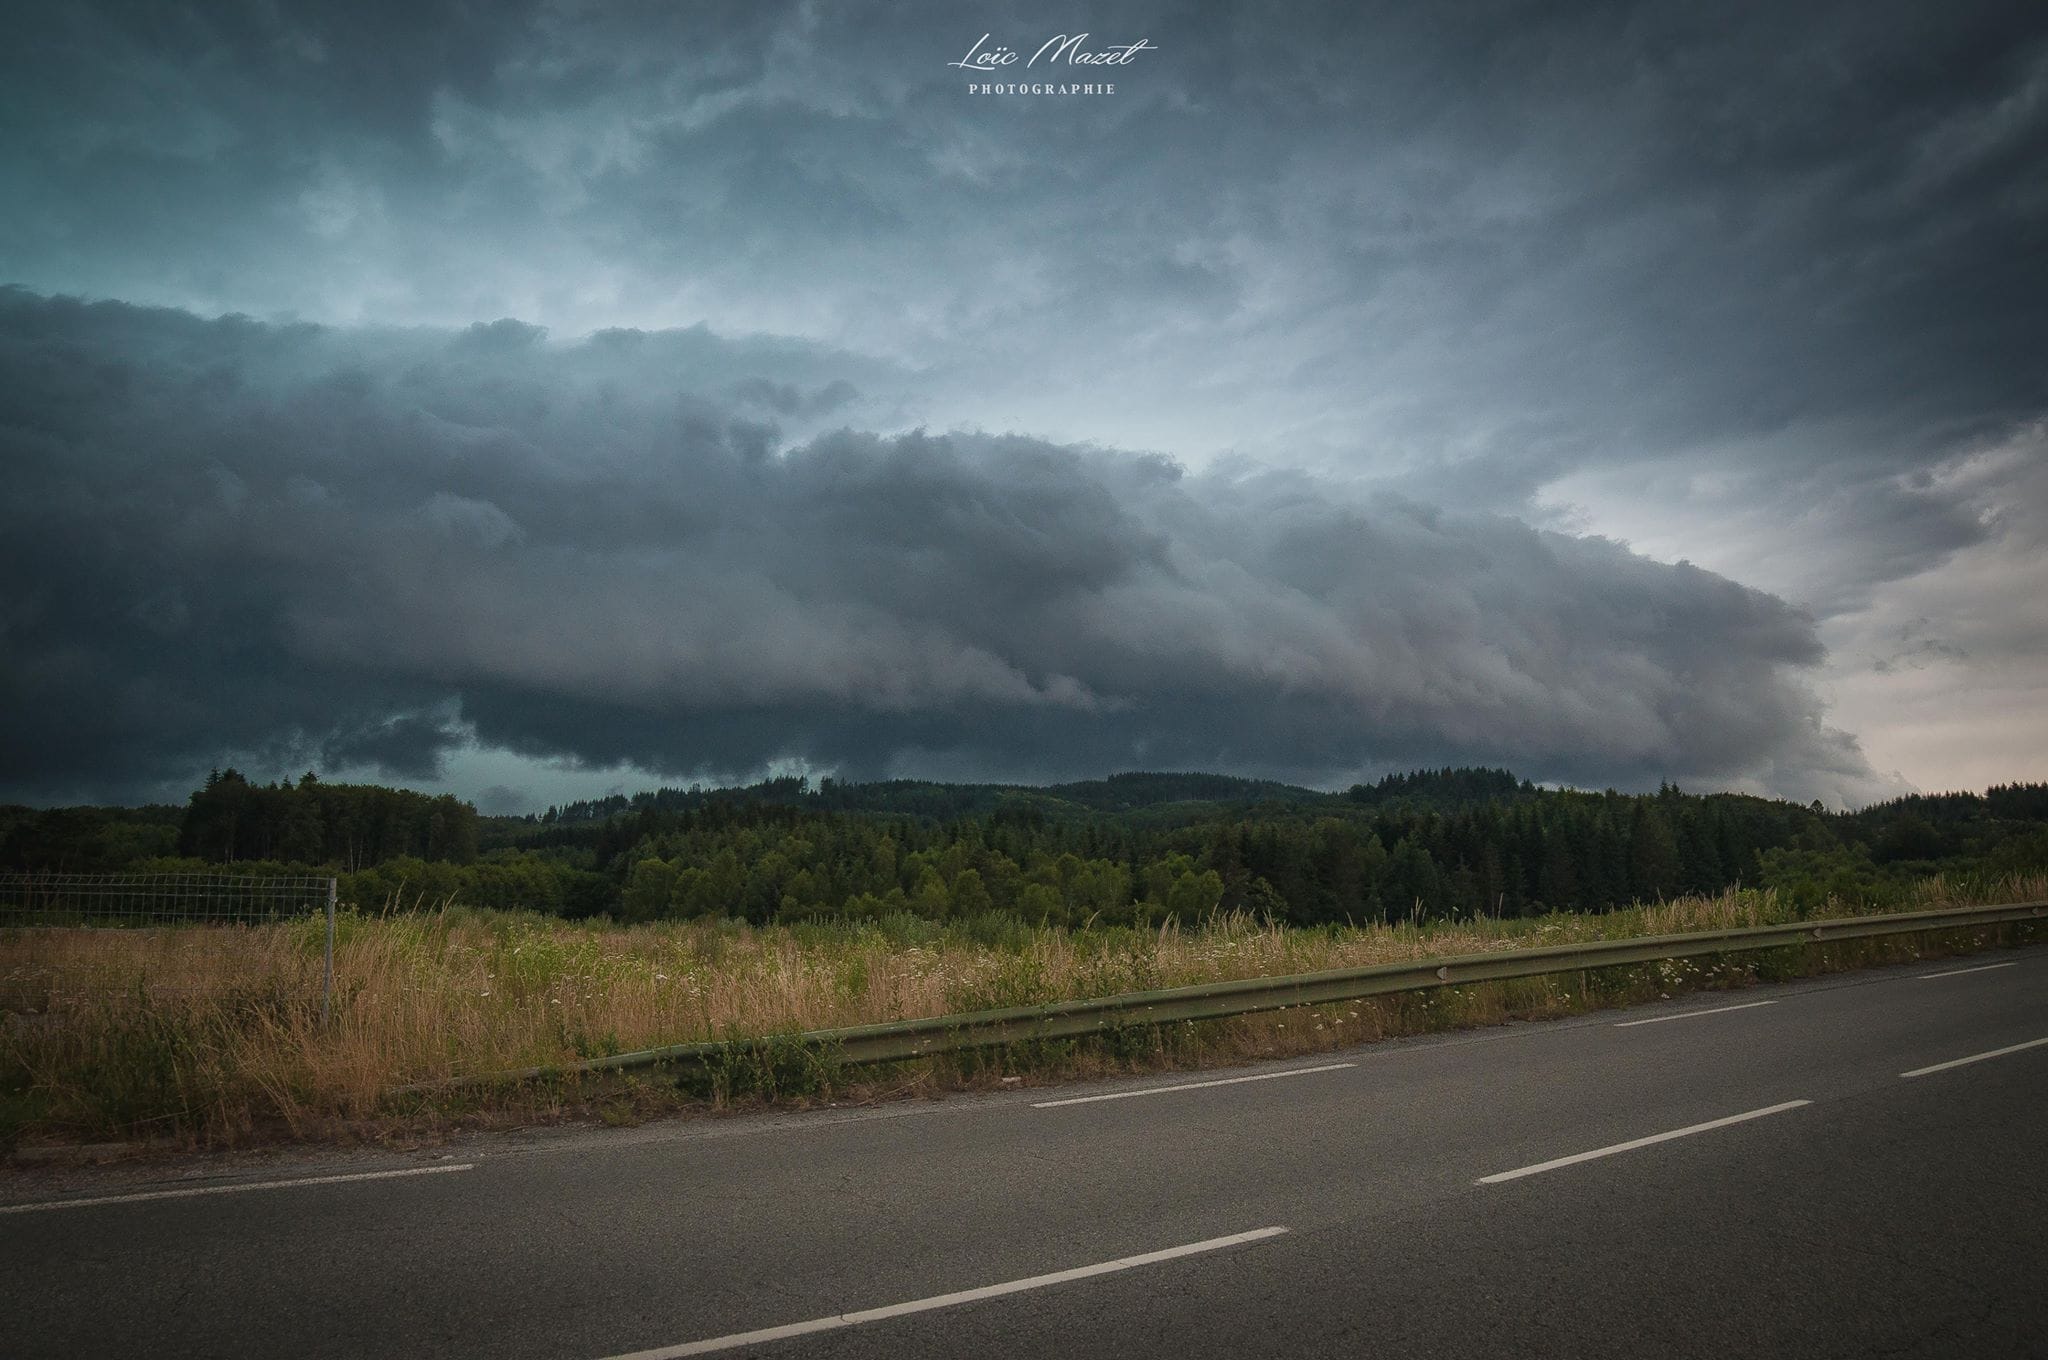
(211, 1036)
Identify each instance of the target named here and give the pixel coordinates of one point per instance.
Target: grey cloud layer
(313, 543)
(1744, 284)
(1365, 192)
(1473, 247)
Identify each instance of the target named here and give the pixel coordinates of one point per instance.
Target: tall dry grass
(213, 1033)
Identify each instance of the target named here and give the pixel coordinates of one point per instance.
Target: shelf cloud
(355, 546)
(697, 386)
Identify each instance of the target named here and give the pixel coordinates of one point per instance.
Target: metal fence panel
(68, 939)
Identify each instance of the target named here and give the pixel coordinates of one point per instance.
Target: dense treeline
(85, 839)
(1131, 849)
(1565, 850)
(344, 828)
(352, 826)
(1173, 796)
(1443, 788)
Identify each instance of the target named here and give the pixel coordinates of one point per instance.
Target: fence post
(327, 982)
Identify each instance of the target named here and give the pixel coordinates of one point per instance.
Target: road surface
(1844, 1167)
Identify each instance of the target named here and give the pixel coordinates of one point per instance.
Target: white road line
(1688, 1015)
(992, 1291)
(232, 1189)
(1190, 1086)
(1635, 1143)
(1974, 1058)
(1980, 968)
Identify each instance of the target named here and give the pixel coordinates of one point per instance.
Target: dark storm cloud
(356, 546)
(1756, 284)
(1475, 248)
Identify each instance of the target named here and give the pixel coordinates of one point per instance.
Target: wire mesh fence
(72, 939)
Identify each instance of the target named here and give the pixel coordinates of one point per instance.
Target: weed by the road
(212, 1034)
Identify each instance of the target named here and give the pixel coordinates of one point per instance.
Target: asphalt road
(1420, 1198)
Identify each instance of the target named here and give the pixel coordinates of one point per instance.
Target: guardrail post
(327, 979)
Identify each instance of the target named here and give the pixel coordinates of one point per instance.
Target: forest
(1132, 849)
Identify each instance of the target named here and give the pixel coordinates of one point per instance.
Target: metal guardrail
(897, 1040)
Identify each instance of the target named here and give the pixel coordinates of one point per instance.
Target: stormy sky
(538, 400)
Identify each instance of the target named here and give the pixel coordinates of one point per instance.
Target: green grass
(211, 1036)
